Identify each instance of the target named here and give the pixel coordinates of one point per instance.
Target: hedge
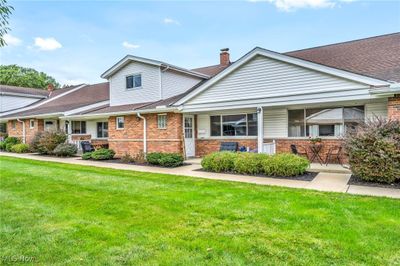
(254, 163)
(102, 154)
(20, 148)
(165, 159)
(65, 150)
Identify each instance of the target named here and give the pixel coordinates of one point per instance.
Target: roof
(84, 96)
(377, 57)
(211, 70)
(124, 61)
(37, 93)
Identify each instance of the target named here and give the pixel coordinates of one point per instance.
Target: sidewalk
(324, 181)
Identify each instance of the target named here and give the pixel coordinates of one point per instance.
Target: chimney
(50, 87)
(224, 57)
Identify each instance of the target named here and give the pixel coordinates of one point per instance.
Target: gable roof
(377, 57)
(83, 96)
(129, 58)
(211, 70)
(23, 91)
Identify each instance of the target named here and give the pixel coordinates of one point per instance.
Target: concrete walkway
(324, 181)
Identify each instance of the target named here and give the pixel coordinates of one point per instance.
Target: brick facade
(207, 146)
(394, 107)
(130, 139)
(29, 132)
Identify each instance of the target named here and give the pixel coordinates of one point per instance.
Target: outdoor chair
(296, 151)
(86, 146)
(228, 146)
(334, 154)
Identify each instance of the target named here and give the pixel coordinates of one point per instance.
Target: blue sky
(77, 41)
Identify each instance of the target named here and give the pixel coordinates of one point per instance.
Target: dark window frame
(221, 125)
(132, 80)
(102, 130)
(78, 131)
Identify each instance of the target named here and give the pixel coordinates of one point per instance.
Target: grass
(70, 214)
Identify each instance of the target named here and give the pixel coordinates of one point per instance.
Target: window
(32, 123)
(3, 127)
(234, 125)
(13, 124)
(134, 81)
(102, 129)
(78, 127)
(120, 123)
(324, 122)
(49, 125)
(162, 121)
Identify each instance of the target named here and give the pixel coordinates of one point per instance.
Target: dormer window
(133, 81)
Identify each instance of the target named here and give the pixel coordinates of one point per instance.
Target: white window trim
(221, 125)
(134, 88)
(158, 121)
(116, 123)
(30, 123)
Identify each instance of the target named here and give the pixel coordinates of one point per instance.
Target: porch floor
(324, 181)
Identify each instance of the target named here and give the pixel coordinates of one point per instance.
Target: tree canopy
(25, 77)
(5, 12)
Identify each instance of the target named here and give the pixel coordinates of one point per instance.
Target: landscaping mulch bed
(140, 164)
(308, 176)
(359, 182)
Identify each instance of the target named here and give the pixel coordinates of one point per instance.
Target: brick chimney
(50, 87)
(224, 57)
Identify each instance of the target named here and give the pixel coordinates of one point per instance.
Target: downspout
(23, 130)
(144, 133)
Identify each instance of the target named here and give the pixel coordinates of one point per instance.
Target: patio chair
(86, 146)
(228, 146)
(296, 151)
(334, 154)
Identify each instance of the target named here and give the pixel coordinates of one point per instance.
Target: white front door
(188, 131)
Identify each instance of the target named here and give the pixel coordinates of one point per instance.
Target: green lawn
(70, 214)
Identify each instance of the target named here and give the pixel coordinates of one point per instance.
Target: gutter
(23, 130)
(144, 133)
(388, 90)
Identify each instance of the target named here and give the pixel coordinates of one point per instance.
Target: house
(264, 99)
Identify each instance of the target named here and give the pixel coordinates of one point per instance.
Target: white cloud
(12, 40)
(47, 44)
(291, 5)
(171, 21)
(130, 45)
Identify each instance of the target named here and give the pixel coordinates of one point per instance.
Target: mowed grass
(70, 214)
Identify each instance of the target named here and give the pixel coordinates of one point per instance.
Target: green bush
(2, 145)
(103, 154)
(248, 163)
(9, 142)
(87, 156)
(65, 150)
(374, 150)
(165, 159)
(35, 141)
(48, 141)
(253, 163)
(284, 164)
(219, 161)
(20, 148)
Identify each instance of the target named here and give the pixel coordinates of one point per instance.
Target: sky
(76, 41)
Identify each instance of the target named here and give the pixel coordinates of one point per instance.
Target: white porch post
(69, 132)
(260, 129)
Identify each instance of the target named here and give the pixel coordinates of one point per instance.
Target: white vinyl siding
(275, 123)
(91, 127)
(8, 102)
(149, 91)
(277, 83)
(379, 109)
(174, 83)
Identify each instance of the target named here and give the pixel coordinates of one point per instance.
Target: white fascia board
(129, 58)
(288, 59)
(23, 95)
(42, 102)
(386, 91)
(85, 108)
(50, 115)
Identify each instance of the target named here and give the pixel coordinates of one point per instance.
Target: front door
(188, 127)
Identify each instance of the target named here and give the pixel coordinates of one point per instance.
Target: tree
(25, 77)
(5, 12)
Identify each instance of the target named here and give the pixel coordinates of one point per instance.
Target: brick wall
(394, 107)
(207, 146)
(130, 139)
(29, 132)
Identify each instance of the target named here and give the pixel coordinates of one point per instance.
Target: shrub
(48, 141)
(35, 141)
(9, 142)
(165, 159)
(171, 160)
(103, 154)
(374, 150)
(2, 145)
(127, 158)
(20, 148)
(248, 163)
(284, 164)
(87, 156)
(219, 161)
(65, 150)
(140, 157)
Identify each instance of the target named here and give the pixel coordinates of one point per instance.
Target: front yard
(60, 213)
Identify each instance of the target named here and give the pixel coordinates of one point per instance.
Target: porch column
(260, 129)
(69, 131)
